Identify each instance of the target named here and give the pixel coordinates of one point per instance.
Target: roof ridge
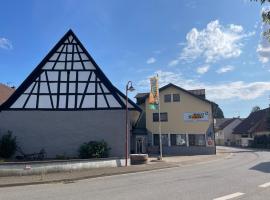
(4, 84)
(254, 121)
(184, 90)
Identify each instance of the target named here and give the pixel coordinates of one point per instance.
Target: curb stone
(70, 180)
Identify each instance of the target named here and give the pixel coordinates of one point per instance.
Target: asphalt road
(244, 175)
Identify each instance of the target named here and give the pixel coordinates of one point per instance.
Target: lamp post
(130, 88)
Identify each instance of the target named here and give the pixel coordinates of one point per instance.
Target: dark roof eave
(145, 95)
(252, 123)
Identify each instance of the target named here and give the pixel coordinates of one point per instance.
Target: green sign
(153, 106)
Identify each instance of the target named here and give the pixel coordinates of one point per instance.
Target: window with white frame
(196, 140)
(167, 98)
(163, 117)
(176, 97)
(164, 138)
(178, 139)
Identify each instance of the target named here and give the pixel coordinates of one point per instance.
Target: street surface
(244, 175)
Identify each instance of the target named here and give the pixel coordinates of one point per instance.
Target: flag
(154, 94)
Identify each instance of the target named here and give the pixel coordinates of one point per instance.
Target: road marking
(230, 196)
(265, 185)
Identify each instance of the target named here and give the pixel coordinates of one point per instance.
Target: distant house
(186, 123)
(5, 92)
(224, 129)
(254, 125)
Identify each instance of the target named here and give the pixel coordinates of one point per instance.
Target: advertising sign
(154, 94)
(210, 135)
(195, 116)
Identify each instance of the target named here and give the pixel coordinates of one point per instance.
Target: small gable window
(167, 98)
(176, 97)
(163, 117)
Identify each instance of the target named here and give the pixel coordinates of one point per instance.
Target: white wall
(62, 132)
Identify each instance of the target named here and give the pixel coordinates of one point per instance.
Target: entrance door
(140, 144)
(191, 140)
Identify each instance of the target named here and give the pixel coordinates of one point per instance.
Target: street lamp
(130, 88)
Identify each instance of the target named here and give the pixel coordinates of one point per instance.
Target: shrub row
(92, 149)
(262, 141)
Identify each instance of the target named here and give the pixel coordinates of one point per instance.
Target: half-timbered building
(67, 100)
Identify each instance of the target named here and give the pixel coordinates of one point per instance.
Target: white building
(224, 131)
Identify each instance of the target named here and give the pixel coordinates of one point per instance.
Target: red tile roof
(5, 92)
(255, 122)
(225, 123)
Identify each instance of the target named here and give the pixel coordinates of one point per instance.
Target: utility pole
(130, 88)
(159, 125)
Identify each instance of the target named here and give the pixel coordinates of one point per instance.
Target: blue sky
(209, 44)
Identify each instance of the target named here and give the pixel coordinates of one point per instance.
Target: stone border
(51, 166)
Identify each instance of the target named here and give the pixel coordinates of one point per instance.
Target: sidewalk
(197, 159)
(67, 177)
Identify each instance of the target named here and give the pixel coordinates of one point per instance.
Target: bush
(61, 157)
(94, 149)
(8, 145)
(262, 141)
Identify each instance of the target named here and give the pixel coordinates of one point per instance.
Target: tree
(268, 118)
(262, 1)
(218, 113)
(265, 18)
(8, 145)
(255, 109)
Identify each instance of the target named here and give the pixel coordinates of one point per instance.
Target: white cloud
(191, 4)
(263, 51)
(214, 42)
(151, 60)
(173, 62)
(225, 69)
(236, 28)
(203, 69)
(238, 89)
(256, 25)
(5, 43)
(233, 90)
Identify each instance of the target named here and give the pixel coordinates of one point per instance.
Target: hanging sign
(195, 116)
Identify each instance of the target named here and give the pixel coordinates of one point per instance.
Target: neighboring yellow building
(186, 123)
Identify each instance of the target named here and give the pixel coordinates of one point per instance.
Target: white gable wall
(225, 135)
